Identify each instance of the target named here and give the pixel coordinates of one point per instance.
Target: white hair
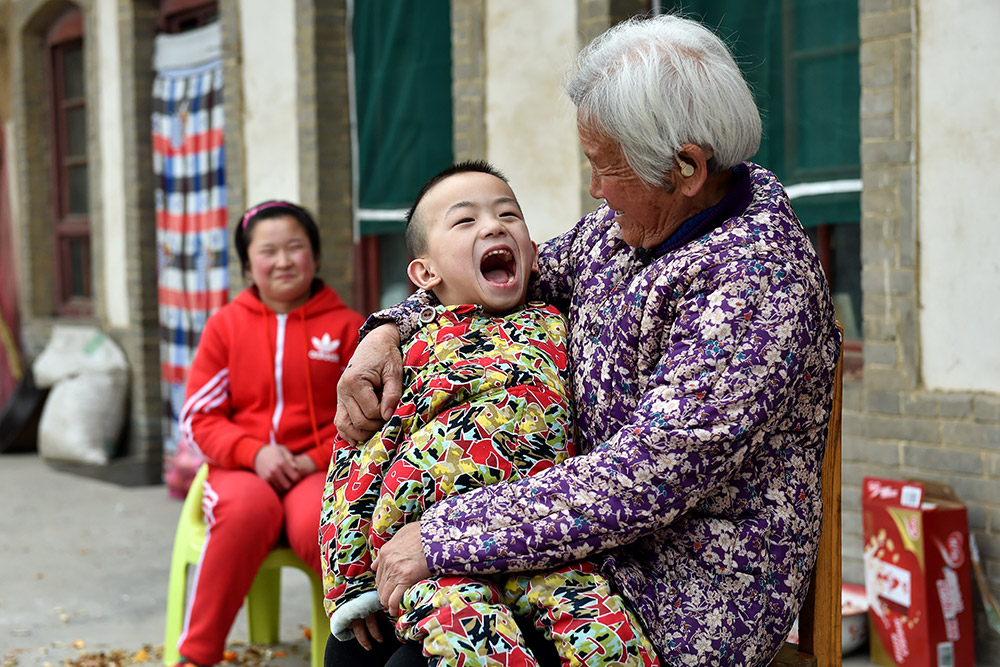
(654, 84)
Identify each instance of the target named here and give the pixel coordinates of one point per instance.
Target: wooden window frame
(367, 290)
(65, 35)
(367, 284)
(853, 348)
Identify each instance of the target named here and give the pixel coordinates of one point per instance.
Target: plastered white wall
(109, 120)
(270, 114)
(530, 123)
(958, 229)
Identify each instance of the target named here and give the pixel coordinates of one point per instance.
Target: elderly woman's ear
(691, 171)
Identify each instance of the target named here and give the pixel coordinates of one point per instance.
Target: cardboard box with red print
(917, 574)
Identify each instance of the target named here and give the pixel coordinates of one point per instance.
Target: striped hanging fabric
(191, 239)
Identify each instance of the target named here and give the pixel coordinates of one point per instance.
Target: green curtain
(801, 60)
(402, 56)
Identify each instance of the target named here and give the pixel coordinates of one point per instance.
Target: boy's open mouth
(498, 266)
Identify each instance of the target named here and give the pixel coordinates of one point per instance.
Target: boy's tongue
(499, 275)
(498, 267)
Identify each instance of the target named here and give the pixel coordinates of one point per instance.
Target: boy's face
(478, 248)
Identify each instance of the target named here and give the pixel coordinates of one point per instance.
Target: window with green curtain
(402, 54)
(800, 58)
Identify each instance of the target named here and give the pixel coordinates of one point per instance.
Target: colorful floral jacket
(702, 377)
(485, 400)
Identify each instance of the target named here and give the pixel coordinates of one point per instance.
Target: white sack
(83, 417)
(76, 349)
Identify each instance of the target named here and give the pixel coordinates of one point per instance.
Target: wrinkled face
(282, 263)
(478, 247)
(639, 207)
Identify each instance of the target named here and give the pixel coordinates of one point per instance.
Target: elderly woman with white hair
(703, 347)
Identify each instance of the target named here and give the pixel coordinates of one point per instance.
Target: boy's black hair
(266, 211)
(416, 236)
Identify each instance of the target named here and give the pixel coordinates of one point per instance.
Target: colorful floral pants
(465, 622)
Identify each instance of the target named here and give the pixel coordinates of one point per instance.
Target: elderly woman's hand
(371, 385)
(399, 565)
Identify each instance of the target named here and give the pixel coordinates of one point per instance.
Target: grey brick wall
(324, 129)
(325, 135)
(137, 28)
(893, 426)
(468, 52)
(141, 456)
(593, 18)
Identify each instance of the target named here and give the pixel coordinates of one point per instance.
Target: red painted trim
(67, 27)
(366, 281)
(66, 34)
(173, 13)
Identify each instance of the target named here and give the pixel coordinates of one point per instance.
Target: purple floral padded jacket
(702, 374)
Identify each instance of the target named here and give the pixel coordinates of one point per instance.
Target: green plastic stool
(263, 600)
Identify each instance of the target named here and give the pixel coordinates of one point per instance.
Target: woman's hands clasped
(370, 387)
(277, 466)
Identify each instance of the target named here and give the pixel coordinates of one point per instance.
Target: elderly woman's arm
(723, 380)
(553, 283)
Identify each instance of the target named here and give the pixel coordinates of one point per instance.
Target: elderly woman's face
(642, 211)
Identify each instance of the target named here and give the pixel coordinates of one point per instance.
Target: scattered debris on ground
(241, 655)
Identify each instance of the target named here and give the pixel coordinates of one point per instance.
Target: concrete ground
(85, 567)
(83, 574)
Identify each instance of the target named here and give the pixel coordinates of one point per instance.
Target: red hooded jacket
(260, 378)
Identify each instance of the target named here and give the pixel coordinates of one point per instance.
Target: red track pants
(246, 517)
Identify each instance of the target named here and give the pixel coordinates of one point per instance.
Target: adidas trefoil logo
(325, 349)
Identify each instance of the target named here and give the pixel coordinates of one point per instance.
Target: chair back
(191, 526)
(820, 642)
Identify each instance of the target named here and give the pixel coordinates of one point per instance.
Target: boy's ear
(421, 273)
(534, 262)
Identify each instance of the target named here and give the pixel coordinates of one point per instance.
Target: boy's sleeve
(405, 315)
(345, 555)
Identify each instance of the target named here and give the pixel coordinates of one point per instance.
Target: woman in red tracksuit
(260, 407)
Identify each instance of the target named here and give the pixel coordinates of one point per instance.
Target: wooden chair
(819, 620)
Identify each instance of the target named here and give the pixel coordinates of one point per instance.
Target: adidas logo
(325, 349)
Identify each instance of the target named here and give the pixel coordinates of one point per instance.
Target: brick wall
(893, 426)
(29, 23)
(468, 53)
(141, 339)
(325, 135)
(593, 18)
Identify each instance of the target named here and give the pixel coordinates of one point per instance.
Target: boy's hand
(371, 385)
(366, 629)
